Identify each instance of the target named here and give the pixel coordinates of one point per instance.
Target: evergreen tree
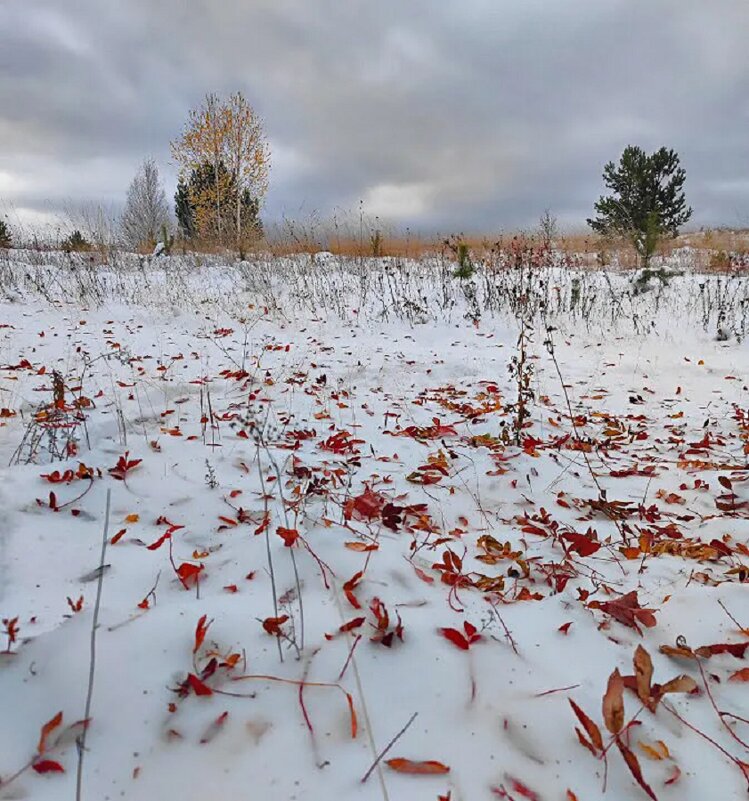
(76, 242)
(203, 205)
(647, 199)
(5, 238)
(184, 211)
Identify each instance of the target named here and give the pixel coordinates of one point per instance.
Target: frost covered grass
(337, 551)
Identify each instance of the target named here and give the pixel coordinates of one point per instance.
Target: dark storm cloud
(471, 114)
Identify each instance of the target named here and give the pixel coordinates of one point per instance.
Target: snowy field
(322, 532)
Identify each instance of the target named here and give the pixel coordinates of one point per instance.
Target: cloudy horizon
(468, 115)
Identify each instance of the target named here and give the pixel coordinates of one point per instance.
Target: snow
(181, 366)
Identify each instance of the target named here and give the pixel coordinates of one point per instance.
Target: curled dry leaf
(674, 777)
(613, 703)
(46, 730)
(348, 589)
(426, 768)
(272, 625)
(657, 751)
(680, 684)
(200, 632)
(681, 650)
(643, 674)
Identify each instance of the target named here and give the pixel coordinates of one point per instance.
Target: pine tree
(647, 199)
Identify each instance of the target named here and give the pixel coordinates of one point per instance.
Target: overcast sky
(471, 115)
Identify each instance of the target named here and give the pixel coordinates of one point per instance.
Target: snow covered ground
(318, 530)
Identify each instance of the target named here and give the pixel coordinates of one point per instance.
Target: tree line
(224, 160)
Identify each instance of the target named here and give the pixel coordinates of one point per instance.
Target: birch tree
(229, 136)
(146, 211)
(247, 154)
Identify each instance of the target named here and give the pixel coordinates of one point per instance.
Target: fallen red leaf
(273, 624)
(288, 535)
(352, 624)
(48, 766)
(198, 687)
(455, 637)
(118, 536)
(348, 589)
(626, 610)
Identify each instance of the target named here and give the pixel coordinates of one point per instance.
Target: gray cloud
(470, 114)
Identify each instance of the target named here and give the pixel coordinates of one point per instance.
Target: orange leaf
(200, 632)
(680, 684)
(352, 714)
(430, 767)
(740, 675)
(643, 674)
(361, 546)
(47, 729)
(133, 518)
(613, 703)
(657, 752)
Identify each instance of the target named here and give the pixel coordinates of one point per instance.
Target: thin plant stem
(81, 742)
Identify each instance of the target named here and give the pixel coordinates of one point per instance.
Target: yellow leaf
(657, 751)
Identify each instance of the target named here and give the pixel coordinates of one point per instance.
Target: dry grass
(362, 237)
(591, 247)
